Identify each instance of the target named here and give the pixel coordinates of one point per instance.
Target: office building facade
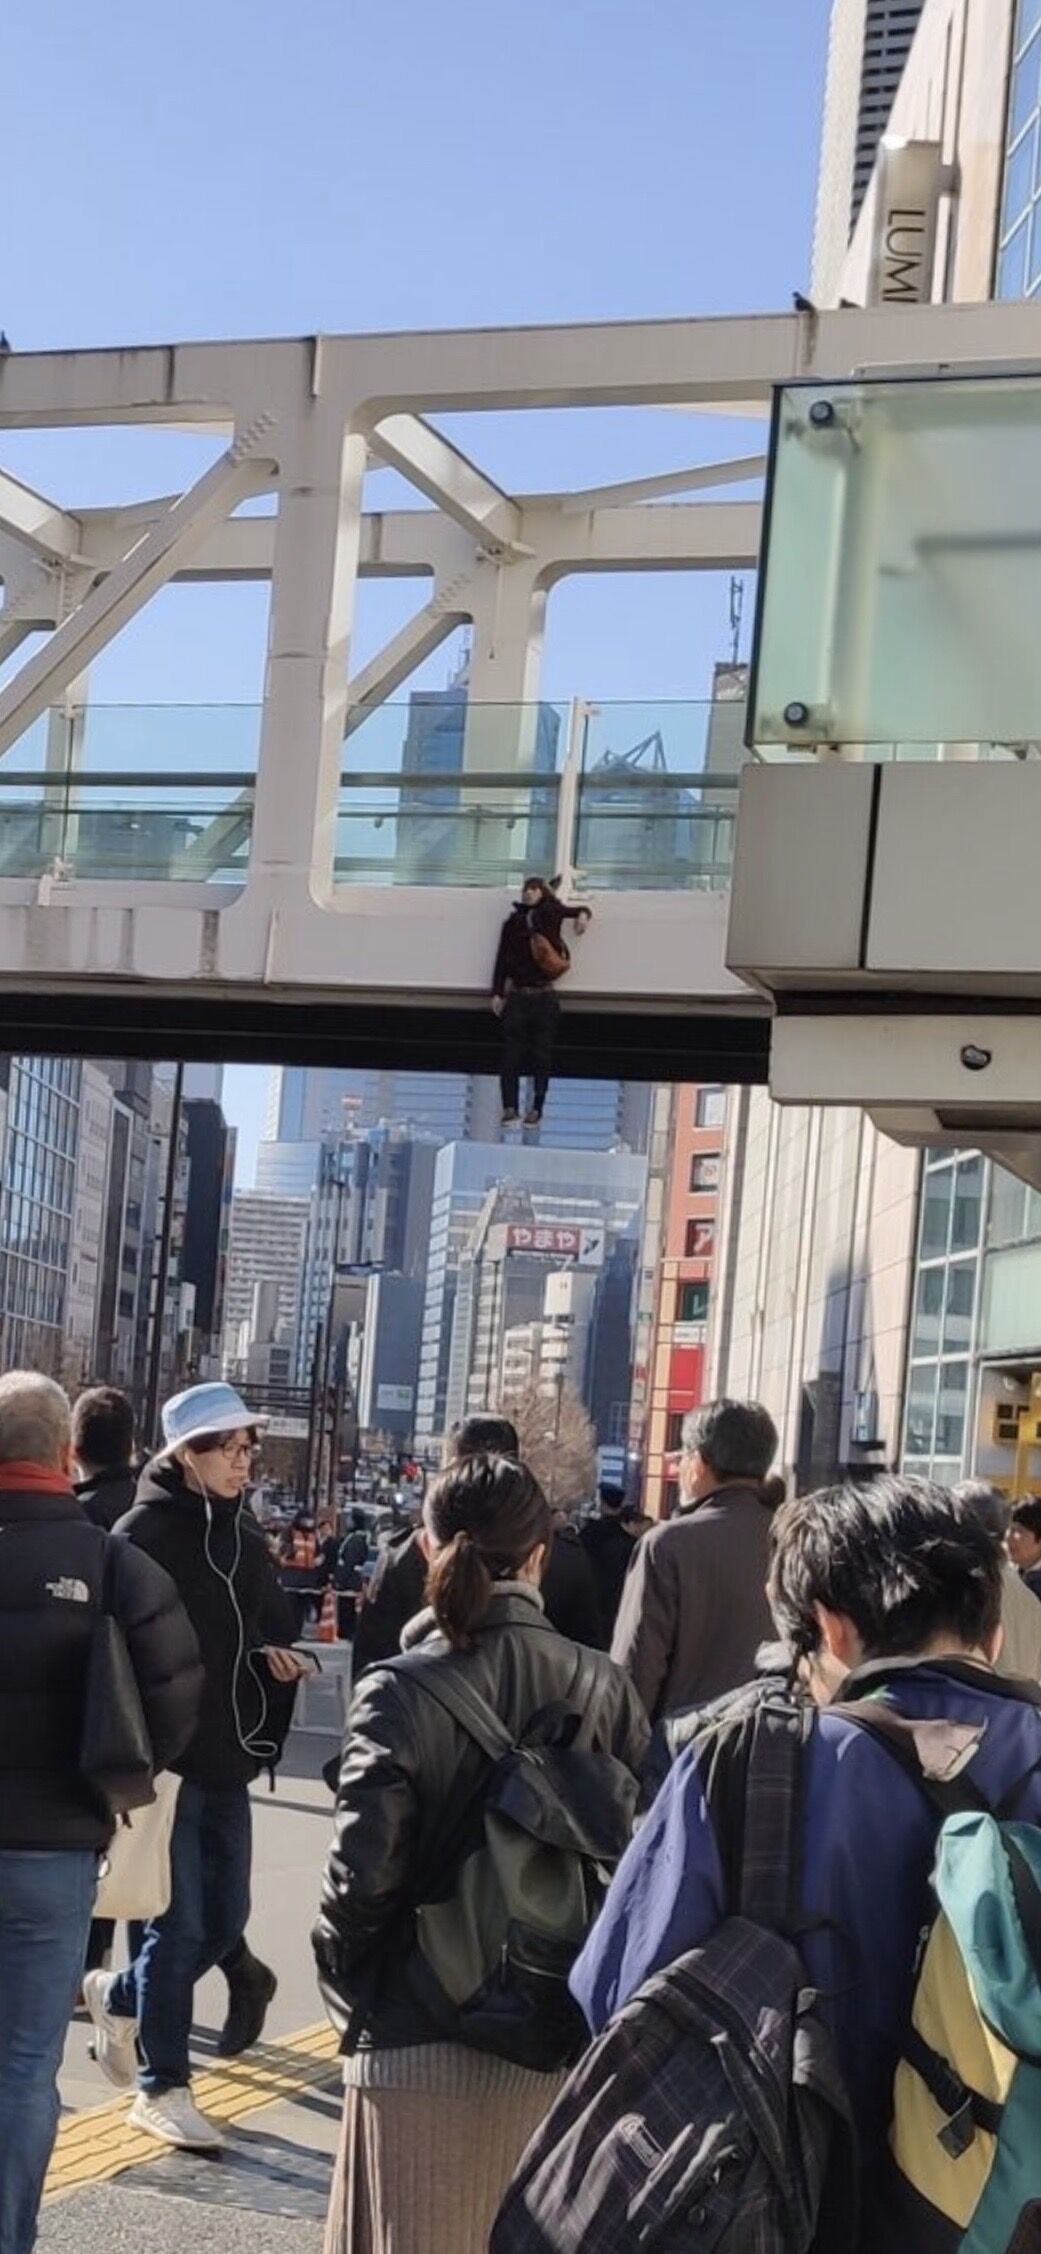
(878, 1301)
(869, 44)
(265, 1249)
(608, 1190)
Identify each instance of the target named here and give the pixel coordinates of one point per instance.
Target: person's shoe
(115, 2040)
(533, 1118)
(250, 1990)
(172, 2118)
(510, 1118)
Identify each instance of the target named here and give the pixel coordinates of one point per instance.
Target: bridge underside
(448, 1034)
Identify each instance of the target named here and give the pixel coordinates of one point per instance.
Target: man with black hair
(894, 1587)
(609, 1540)
(103, 1446)
(694, 1610)
(398, 1587)
(1024, 1542)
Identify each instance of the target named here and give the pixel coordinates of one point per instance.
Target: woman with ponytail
(434, 2124)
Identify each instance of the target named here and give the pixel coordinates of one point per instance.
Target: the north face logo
(68, 1590)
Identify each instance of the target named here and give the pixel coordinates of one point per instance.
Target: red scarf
(44, 1479)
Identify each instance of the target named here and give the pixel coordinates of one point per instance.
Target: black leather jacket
(408, 1771)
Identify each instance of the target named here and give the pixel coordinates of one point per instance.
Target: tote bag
(136, 1881)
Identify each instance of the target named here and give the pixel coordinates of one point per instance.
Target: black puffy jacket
(408, 1771)
(107, 1495)
(225, 1576)
(51, 1565)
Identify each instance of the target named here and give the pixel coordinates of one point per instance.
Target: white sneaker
(172, 2118)
(115, 2040)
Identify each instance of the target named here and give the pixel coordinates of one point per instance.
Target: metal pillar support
(313, 580)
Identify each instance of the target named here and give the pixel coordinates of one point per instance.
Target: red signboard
(686, 1376)
(564, 1243)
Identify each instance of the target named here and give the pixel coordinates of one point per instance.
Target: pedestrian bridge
(327, 871)
(127, 885)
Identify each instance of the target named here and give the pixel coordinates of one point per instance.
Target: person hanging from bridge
(532, 957)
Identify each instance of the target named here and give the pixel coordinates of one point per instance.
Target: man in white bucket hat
(190, 1516)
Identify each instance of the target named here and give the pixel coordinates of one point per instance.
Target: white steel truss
(307, 419)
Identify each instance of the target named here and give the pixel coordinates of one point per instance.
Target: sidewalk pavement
(269, 2191)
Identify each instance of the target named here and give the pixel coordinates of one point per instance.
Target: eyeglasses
(239, 1451)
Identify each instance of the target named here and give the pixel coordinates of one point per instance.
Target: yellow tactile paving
(93, 2146)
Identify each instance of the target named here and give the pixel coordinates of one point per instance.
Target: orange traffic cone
(328, 1625)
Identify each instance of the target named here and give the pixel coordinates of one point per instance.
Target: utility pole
(155, 1355)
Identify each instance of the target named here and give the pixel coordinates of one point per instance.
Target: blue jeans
(209, 1905)
(46, 1902)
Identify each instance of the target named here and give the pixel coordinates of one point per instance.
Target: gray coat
(694, 1609)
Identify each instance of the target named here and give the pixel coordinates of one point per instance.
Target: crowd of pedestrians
(685, 1881)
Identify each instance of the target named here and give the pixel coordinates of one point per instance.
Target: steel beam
(447, 477)
(417, 640)
(717, 361)
(126, 589)
(40, 524)
(742, 471)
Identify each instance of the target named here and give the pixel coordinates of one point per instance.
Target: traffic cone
(328, 1625)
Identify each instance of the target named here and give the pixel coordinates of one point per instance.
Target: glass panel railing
(657, 796)
(682, 736)
(901, 580)
(420, 828)
(106, 828)
(438, 731)
(656, 833)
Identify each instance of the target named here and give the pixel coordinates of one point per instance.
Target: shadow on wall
(838, 1412)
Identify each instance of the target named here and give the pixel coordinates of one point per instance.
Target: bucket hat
(204, 1408)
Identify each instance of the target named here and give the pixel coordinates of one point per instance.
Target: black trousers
(529, 1032)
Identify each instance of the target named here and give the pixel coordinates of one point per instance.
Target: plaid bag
(710, 2116)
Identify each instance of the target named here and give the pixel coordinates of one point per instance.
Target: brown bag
(550, 960)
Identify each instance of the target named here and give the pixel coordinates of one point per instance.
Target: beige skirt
(430, 2140)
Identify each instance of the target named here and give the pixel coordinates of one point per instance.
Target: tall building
(90, 1212)
(881, 1303)
(608, 1188)
(389, 1367)
(305, 1103)
(286, 1169)
(265, 1248)
(37, 1200)
(204, 1080)
(868, 46)
(677, 1356)
(204, 1257)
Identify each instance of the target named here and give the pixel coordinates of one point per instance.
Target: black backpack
(710, 2116)
(520, 1883)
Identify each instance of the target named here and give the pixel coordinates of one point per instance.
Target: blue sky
(240, 168)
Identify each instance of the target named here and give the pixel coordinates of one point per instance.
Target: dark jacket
(515, 965)
(609, 1545)
(407, 1770)
(50, 1593)
(107, 1495)
(225, 1576)
(868, 1848)
(397, 1592)
(694, 1609)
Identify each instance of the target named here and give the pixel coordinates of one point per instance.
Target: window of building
(674, 1431)
(704, 1170)
(1019, 252)
(692, 1306)
(950, 1232)
(699, 1240)
(710, 1106)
